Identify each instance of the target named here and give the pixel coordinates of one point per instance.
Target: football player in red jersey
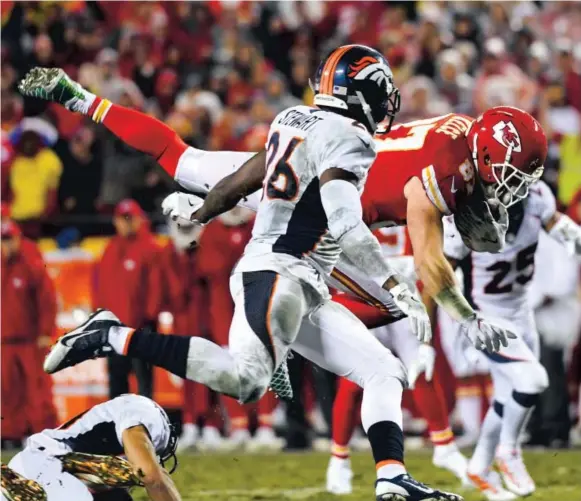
(424, 170)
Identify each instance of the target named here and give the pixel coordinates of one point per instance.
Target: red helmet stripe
(326, 83)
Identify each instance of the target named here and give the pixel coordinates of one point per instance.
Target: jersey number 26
(281, 180)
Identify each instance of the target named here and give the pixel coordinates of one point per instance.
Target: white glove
(484, 335)
(181, 206)
(567, 233)
(422, 364)
(407, 301)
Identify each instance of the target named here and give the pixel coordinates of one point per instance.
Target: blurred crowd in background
(218, 72)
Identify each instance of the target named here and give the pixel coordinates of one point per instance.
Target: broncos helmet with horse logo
(356, 81)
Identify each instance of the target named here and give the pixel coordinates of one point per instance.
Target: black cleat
(89, 340)
(405, 488)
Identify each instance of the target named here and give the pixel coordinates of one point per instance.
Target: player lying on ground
(311, 212)
(498, 286)
(83, 456)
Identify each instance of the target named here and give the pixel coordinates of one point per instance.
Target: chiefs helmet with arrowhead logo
(356, 81)
(509, 148)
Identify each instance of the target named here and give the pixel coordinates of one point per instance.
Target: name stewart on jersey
(297, 119)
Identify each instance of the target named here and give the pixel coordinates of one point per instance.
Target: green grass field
(302, 476)
(245, 477)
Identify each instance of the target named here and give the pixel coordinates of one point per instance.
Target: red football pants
(26, 391)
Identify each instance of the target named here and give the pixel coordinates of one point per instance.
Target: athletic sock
(430, 401)
(516, 412)
(345, 410)
(193, 358)
(487, 441)
(386, 439)
(162, 350)
(119, 337)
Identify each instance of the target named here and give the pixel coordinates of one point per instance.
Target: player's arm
(342, 204)
(233, 188)
(425, 227)
(424, 223)
(564, 230)
(141, 454)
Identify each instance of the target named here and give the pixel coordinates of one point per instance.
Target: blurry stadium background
(218, 72)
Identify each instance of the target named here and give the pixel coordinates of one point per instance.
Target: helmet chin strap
(367, 111)
(475, 151)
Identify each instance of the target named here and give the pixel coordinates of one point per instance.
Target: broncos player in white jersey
(497, 285)
(83, 456)
(316, 165)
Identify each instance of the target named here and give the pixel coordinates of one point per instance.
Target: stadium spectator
(277, 96)
(111, 84)
(128, 282)
(28, 322)
(421, 100)
(452, 81)
(81, 180)
(500, 81)
(34, 176)
(186, 298)
(569, 76)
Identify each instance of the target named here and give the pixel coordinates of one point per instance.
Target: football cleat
(514, 473)
(405, 488)
(491, 487)
(53, 84)
(450, 458)
(339, 476)
(89, 340)
(15, 487)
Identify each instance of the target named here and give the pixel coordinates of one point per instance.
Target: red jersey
(128, 279)
(435, 151)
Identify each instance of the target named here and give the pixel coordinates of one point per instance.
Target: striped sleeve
(433, 190)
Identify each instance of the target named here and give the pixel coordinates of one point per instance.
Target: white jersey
(498, 284)
(99, 430)
(290, 233)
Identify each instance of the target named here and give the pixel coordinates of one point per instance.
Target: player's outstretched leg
(428, 397)
(193, 358)
(342, 345)
(480, 470)
(196, 170)
(142, 132)
(518, 379)
(267, 315)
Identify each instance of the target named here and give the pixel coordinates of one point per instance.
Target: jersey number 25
(281, 180)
